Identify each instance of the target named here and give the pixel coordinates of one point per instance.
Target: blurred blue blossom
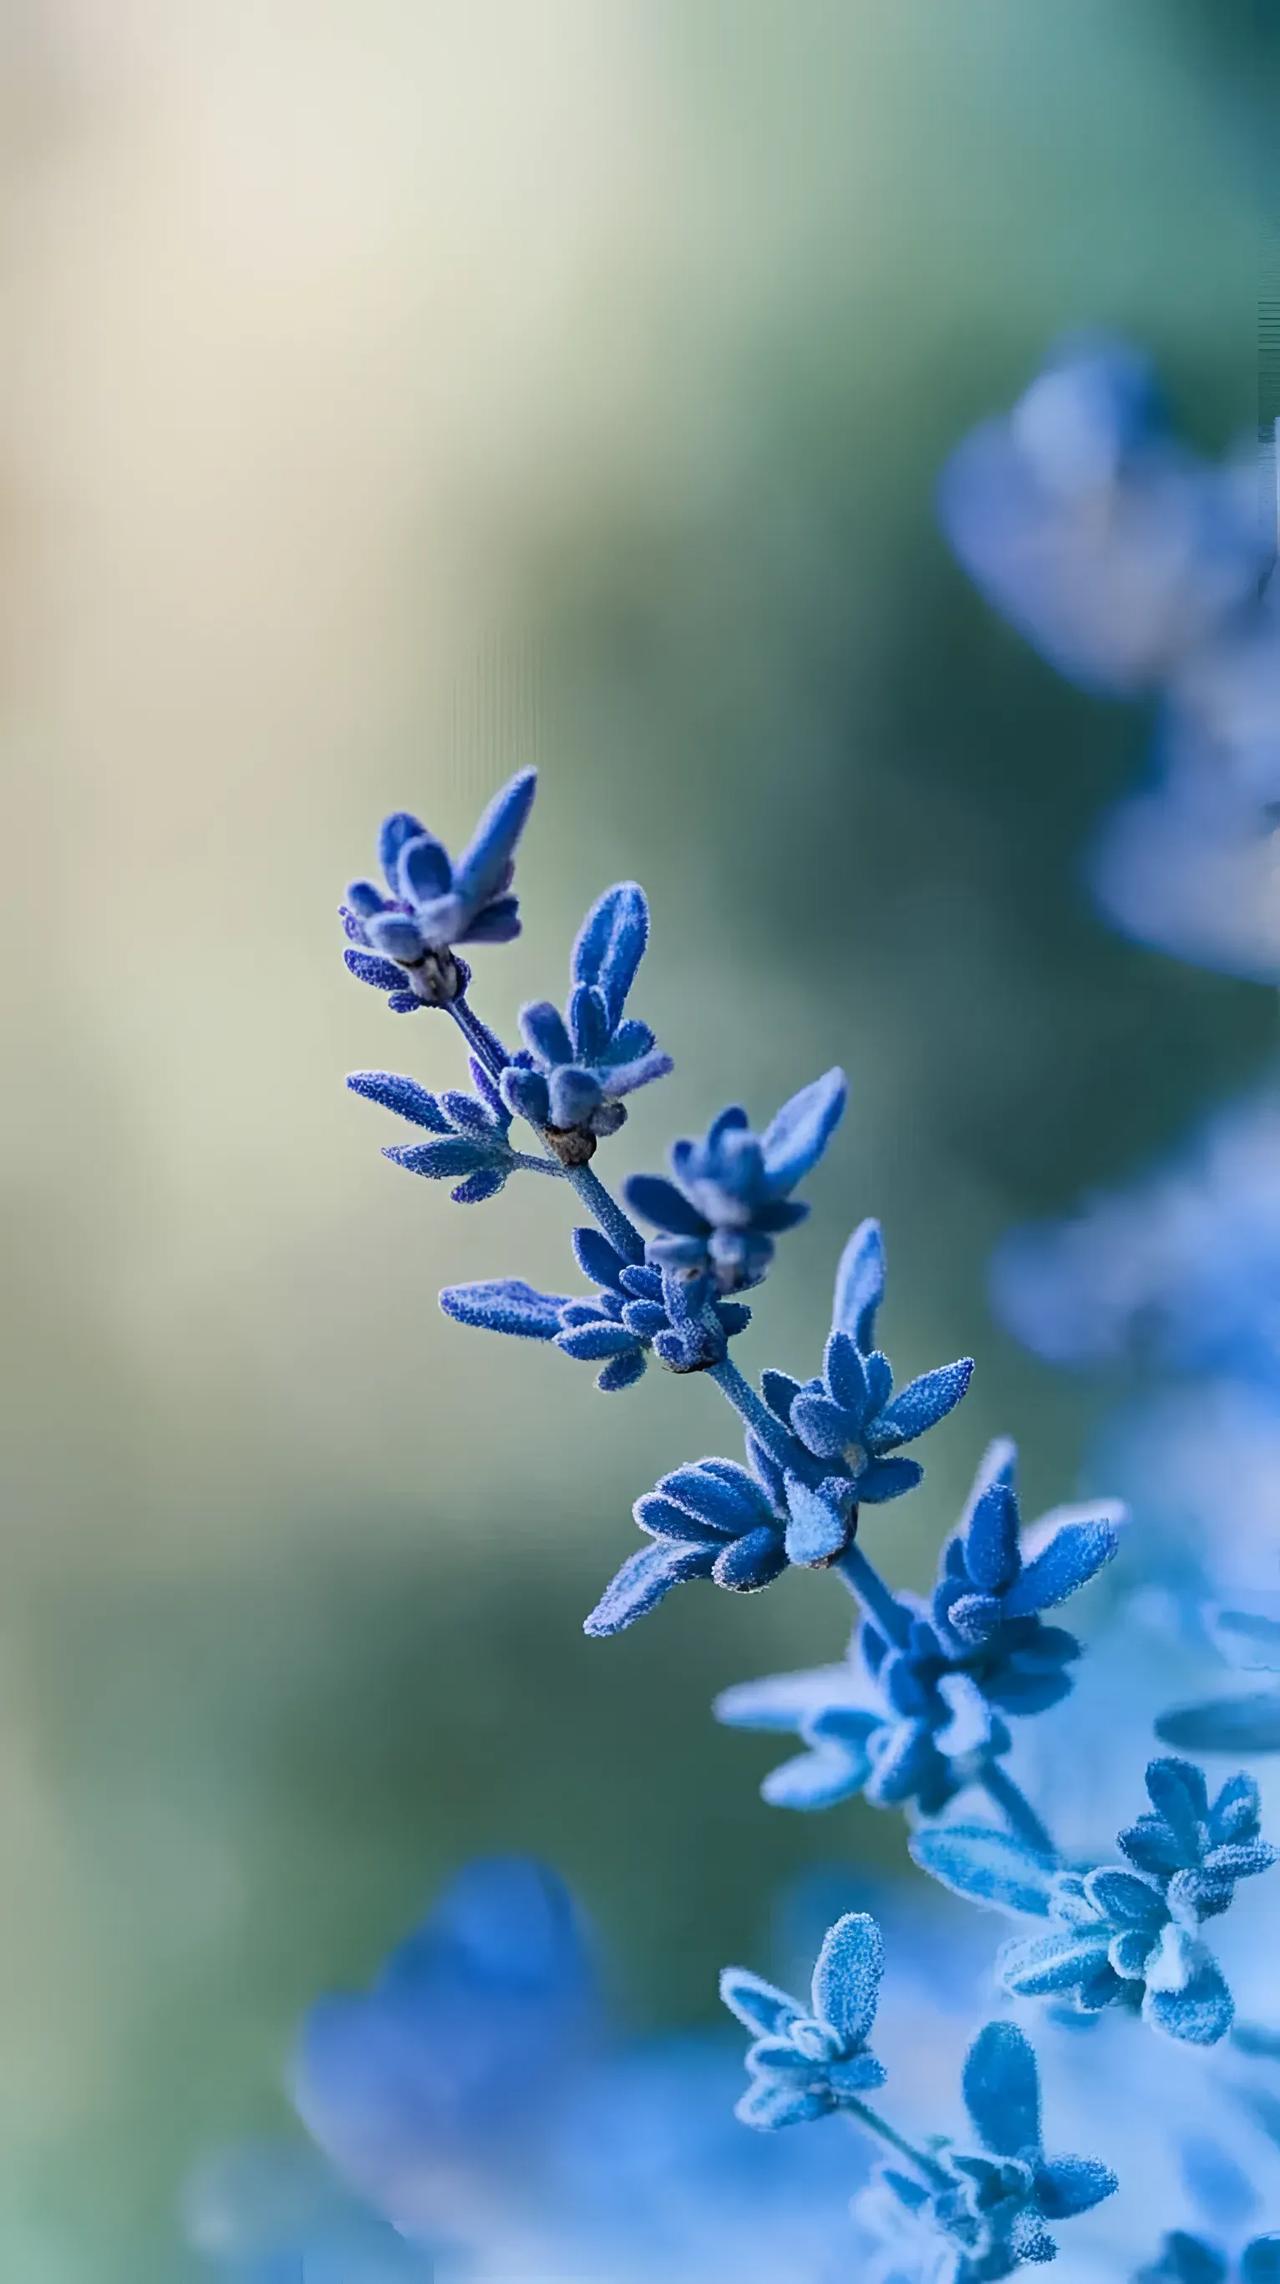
(1094, 532)
(1239, 1724)
(1182, 1266)
(576, 1068)
(1189, 2260)
(916, 1713)
(274, 2214)
(401, 942)
(804, 2062)
(990, 2208)
(637, 1310)
(731, 1193)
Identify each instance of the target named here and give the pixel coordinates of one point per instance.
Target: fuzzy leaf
(988, 1866)
(504, 1304)
(846, 1979)
(1226, 1725)
(795, 1140)
(860, 1284)
(1001, 2088)
(1069, 1560)
(641, 1584)
(480, 870)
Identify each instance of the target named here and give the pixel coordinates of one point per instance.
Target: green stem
(874, 1593)
(872, 2122)
(1017, 1810)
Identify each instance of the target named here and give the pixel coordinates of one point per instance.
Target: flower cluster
(402, 943)
(575, 1068)
(803, 2063)
(1122, 1935)
(918, 1710)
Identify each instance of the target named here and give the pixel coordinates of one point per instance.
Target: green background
(398, 395)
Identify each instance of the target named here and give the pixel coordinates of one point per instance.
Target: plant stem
(874, 1593)
(752, 1409)
(871, 2122)
(618, 1227)
(1014, 1805)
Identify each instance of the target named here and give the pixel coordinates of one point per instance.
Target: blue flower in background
(850, 1420)
(1085, 523)
(427, 2090)
(1189, 2260)
(991, 2210)
(1120, 1936)
(731, 1194)
(470, 1133)
(1182, 1266)
(401, 942)
(1248, 1724)
(917, 1716)
(804, 2062)
(577, 1067)
(637, 1310)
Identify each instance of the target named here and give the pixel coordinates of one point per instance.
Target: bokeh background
(396, 392)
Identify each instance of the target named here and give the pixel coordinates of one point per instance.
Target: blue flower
(850, 1419)
(990, 2209)
(1121, 1936)
(636, 1310)
(731, 1193)
(471, 1133)
(917, 1716)
(712, 1519)
(1189, 2260)
(804, 2063)
(577, 1067)
(425, 2090)
(1081, 519)
(401, 942)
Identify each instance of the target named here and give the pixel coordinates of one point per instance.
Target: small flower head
(805, 2062)
(1124, 1935)
(576, 1067)
(730, 1196)
(470, 1142)
(915, 1716)
(401, 942)
(983, 2214)
(849, 1420)
(713, 1520)
(636, 1311)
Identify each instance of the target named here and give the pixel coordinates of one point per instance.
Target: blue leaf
(922, 1403)
(396, 832)
(752, 1561)
(718, 1490)
(481, 870)
(988, 1866)
(593, 1343)
(816, 1779)
(441, 1161)
(366, 967)
(621, 1372)
(423, 870)
(782, 1701)
(846, 1979)
(483, 1184)
(822, 1426)
(661, 1203)
(467, 1116)
(597, 1260)
(991, 1539)
(404, 1096)
(1066, 2186)
(1001, 2087)
(762, 2009)
(641, 1584)
(1051, 1965)
(611, 944)
(860, 1284)
(795, 1140)
(504, 1304)
(1226, 1725)
(1070, 1559)
(1260, 2261)
(888, 1479)
(1249, 1639)
(818, 1529)
(1187, 1996)
(525, 1093)
(498, 923)
(774, 2102)
(543, 1028)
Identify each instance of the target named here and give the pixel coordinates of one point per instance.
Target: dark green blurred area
(296, 1572)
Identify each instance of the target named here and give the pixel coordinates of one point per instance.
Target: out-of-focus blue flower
(990, 2209)
(577, 1066)
(1121, 1936)
(1183, 1266)
(401, 942)
(471, 1134)
(917, 1718)
(1189, 2260)
(1241, 1724)
(731, 1194)
(804, 2062)
(850, 1420)
(427, 2091)
(1093, 531)
(637, 1309)
(266, 2214)
(1191, 863)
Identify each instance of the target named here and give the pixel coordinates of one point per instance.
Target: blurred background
(397, 393)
